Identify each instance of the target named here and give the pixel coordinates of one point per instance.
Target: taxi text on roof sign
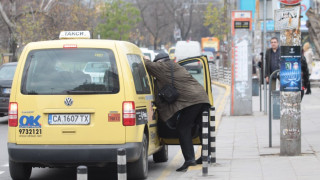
(74, 35)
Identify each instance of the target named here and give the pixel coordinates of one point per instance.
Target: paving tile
(308, 177)
(277, 167)
(306, 165)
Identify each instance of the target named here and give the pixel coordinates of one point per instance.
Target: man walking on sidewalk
(272, 62)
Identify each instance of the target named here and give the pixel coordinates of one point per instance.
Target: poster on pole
(290, 73)
(287, 18)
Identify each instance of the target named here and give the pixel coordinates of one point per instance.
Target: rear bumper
(68, 155)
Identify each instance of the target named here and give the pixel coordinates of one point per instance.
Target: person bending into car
(189, 106)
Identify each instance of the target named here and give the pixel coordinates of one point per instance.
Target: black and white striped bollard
(205, 143)
(82, 173)
(212, 130)
(122, 164)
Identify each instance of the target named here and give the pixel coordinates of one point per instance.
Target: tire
(139, 169)
(162, 155)
(199, 71)
(19, 171)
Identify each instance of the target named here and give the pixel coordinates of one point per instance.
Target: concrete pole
(290, 107)
(264, 48)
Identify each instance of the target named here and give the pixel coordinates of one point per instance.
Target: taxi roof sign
(74, 35)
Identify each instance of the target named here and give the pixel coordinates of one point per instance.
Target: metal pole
(121, 164)
(270, 122)
(205, 143)
(260, 95)
(264, 47)
(82, 173)
(212, 135)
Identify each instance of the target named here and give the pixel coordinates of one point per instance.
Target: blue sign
(290, 74)
(305, 5)
(29, 122)
(248, 5)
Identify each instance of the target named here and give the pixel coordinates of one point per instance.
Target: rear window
(70, 71)
(7, 72)
(172, 51)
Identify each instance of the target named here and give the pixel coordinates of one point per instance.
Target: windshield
(70, 71)
(7, 72)
(172, 51)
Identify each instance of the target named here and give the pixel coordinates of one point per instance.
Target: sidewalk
(243, 146)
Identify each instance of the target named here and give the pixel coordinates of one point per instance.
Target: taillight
(13, 114)
(128, 113)
(175, 59)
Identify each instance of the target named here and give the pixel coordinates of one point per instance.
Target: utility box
(276, 104)
(255, 86)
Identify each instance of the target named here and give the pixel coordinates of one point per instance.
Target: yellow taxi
(76, 100)
(171, 52)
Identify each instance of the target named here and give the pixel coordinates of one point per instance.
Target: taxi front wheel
(139, 169)
(19, 171)
(162, 155)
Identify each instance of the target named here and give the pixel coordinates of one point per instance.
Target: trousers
(189, 117)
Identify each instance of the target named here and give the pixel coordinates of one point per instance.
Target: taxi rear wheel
(19, 171)
(139, 169)
(162, 155)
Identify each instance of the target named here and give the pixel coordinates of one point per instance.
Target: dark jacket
(268, 62)
(304, 72)
(191, 92)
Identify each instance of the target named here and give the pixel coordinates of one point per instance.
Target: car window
(139, 74)
(147, 54)
(7, 72)
(195, 68)
(72, 71)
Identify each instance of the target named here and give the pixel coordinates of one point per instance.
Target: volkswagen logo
(68, 101)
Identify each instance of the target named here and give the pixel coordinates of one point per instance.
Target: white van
(147, 52)
(187, 49)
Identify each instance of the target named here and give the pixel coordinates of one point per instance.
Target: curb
(220, 109)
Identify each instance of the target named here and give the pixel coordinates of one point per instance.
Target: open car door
(198, 67)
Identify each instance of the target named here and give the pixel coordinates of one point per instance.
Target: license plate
(69, 119)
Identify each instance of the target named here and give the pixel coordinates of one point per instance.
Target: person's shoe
(186, 165)
(199, 160)
(308, 92)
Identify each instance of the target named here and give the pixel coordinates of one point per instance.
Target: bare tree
(154, 18)
(11, 17)
(182, 12)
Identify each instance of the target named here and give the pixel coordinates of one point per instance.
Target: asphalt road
(157, 171)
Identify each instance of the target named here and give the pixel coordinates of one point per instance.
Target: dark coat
(304, 72)
(268, 62)
(191, 92)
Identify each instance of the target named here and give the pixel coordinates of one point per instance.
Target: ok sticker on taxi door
(114, 117)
